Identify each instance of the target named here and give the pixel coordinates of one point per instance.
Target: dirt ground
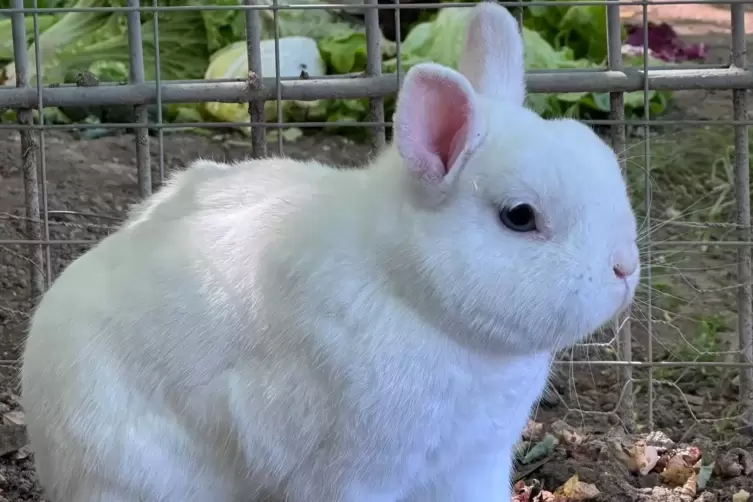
(91, 183)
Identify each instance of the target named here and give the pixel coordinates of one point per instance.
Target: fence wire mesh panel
(102, 100)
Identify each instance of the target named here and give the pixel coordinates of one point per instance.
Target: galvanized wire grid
(616, 79)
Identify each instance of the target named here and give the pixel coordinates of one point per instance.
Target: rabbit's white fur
(324, 335)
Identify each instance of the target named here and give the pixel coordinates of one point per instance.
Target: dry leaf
(22, 453)
(522, 493)
(677, 460)
(12, 438)
(545, 496)
(620, 452)
(677, 475)
(585, 452)
(741, 496)
(574, 490)
(519, 486)
(533, 431)
(643, 457)
(13, 418)
(659, 439)
(689, 487)
(567, 434)
(690, 455)
(651, 456)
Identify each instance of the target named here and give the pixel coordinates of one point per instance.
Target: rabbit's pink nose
(626, 262)
(621, 272)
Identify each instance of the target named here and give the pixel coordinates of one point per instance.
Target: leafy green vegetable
(312, 23)
(209, 44)
(222, 27)
(441, 40)
(543, 448)
(42, 4)
(68, 29)
(296, 53)
(345, 53)
(6, 33)
(183, 54)
(98, 42)
(704, 475)
(582, 29)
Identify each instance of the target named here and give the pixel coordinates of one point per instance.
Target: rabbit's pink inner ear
(434, 117)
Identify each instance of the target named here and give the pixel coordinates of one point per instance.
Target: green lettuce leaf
(6, 33)
(582, 29)
(441, 40)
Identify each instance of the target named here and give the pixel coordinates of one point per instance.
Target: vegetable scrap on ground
(88, 48)
(644, 467)
(555, 463)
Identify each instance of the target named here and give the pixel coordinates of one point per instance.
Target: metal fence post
(255, 107)
(742, 195)
(617, 114)
(29, 155)
(374, 69)
(141, 111)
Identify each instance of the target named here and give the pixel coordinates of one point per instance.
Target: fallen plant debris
(12, 438)
(741, 496)
(653, 467)
(735, 462)
(663, 43)
(573, 490)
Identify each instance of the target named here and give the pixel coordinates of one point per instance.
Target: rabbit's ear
(437, 122)
(492, 59)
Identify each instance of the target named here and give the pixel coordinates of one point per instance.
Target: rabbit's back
(155, 289)
(208, 185)
(138, 340)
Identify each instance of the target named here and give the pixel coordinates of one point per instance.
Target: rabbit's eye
(521, 218)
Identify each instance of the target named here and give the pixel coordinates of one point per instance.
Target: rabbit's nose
(625, 262)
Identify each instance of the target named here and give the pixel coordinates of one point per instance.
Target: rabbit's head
(523, 238)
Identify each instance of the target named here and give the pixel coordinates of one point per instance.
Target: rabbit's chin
(563, 340)
(517, 335)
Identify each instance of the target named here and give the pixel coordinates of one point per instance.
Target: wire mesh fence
(30, 95)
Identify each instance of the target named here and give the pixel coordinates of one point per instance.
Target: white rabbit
(326, 335)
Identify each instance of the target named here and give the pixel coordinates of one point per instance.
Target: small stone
(14, 418)
(707, 497)
(741, 496)
(566, 433)
(22, 453)
(649, 481)
(736, 462)
(658, 438)
(533, 431)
